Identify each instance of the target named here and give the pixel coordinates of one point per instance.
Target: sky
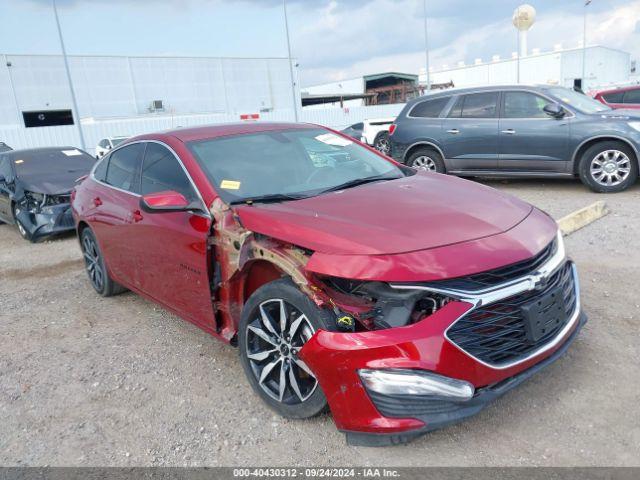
(330, 39)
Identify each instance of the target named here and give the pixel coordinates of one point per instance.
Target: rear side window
(632, 96)
(476, 105)
(100, 173)
(161, 172)
(429, 108)
(613, 97)
(123, 167)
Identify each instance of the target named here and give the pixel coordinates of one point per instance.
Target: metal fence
(19, 137)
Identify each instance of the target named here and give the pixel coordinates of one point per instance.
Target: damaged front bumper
(457, 384)
(46, 221)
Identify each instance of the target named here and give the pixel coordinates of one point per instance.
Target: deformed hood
(50, 184)
(423, 211)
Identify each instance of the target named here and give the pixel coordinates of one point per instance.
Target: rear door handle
(509, 131)
(97, 202)
(136, 216)
(453, 131)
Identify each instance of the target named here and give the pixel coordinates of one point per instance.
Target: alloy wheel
(382, 145)
(610, 168)
(274, 338)
(92, 262)
(21, 228)
(423, 162)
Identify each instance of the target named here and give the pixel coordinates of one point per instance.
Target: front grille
(497, 334)
(491, 278)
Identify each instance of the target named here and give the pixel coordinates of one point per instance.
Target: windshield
(579, 101)
(291, 163)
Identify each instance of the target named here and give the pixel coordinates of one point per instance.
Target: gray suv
(520, 131)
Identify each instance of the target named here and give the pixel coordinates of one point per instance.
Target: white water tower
(523, 18)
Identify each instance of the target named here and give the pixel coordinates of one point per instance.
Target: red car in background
(621, 97)
(403, 300)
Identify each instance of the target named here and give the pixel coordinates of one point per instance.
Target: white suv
(107, 144)
(374, 132)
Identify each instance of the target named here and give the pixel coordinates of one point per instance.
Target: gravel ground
(89, 381)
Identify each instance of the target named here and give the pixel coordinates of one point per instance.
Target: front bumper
(378, 419)
(49, 220)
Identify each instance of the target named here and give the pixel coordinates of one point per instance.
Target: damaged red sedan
(402, 300)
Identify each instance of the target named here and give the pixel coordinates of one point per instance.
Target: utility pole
(293, 82)
(584, 45)
(426, 45)
(76, 113)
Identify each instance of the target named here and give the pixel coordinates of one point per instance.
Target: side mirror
(167, 201)
(554, 110)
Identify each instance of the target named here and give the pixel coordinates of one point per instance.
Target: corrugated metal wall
(19, 137)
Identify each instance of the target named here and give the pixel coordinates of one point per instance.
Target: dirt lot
(86, 380)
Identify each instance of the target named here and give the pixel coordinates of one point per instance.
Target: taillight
(392, 128)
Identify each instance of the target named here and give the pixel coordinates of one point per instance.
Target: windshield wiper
(271, 198)
(359, 181)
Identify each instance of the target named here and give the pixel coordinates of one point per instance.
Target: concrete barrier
(583, 217)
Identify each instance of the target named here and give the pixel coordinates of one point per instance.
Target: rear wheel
(276, 322)
(426, 159)
(381, 143)
(96, 268)
(608, 167)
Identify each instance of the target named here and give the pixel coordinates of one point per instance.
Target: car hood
(620, 113)
(51, 183)
(423, 211)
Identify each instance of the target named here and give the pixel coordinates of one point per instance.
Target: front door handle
(136, 216)
(97, 202)
(509, 131)
(453, 131)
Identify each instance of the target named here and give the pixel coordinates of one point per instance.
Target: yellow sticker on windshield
(19, 161)
(230, 185)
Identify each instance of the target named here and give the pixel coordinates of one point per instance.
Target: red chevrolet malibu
(402, 300)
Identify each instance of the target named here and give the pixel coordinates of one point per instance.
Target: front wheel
(277, 320)
(426, 159)
(24, 233)
(608, 167)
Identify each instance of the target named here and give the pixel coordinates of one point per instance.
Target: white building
(603, 66)
(125, 87)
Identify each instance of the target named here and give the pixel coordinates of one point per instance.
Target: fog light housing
(416, 382)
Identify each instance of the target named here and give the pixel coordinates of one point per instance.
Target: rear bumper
(50, 220)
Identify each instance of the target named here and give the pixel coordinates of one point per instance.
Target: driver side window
(161, 172)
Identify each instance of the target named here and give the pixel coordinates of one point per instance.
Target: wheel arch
(589, 142)
(423, 143)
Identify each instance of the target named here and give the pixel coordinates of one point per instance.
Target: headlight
(634, 125)
(416, 382)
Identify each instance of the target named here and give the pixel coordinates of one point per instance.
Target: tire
(608, 167)
(24, 233)
(261, 347)
(96, 268)
(426, 159)
(381, 143)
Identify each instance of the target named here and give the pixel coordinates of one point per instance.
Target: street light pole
(76, 113)
(584, 45)
(426, 45)
(293, 82)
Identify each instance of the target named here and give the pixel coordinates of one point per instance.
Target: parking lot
(118, 381)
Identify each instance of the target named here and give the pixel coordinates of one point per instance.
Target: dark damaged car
(402, 300)
(35, 189)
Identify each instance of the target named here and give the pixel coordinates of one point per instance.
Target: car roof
(207, 132)
(617, 89)
(478, 89)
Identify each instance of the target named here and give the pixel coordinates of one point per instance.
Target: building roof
(402, 76)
